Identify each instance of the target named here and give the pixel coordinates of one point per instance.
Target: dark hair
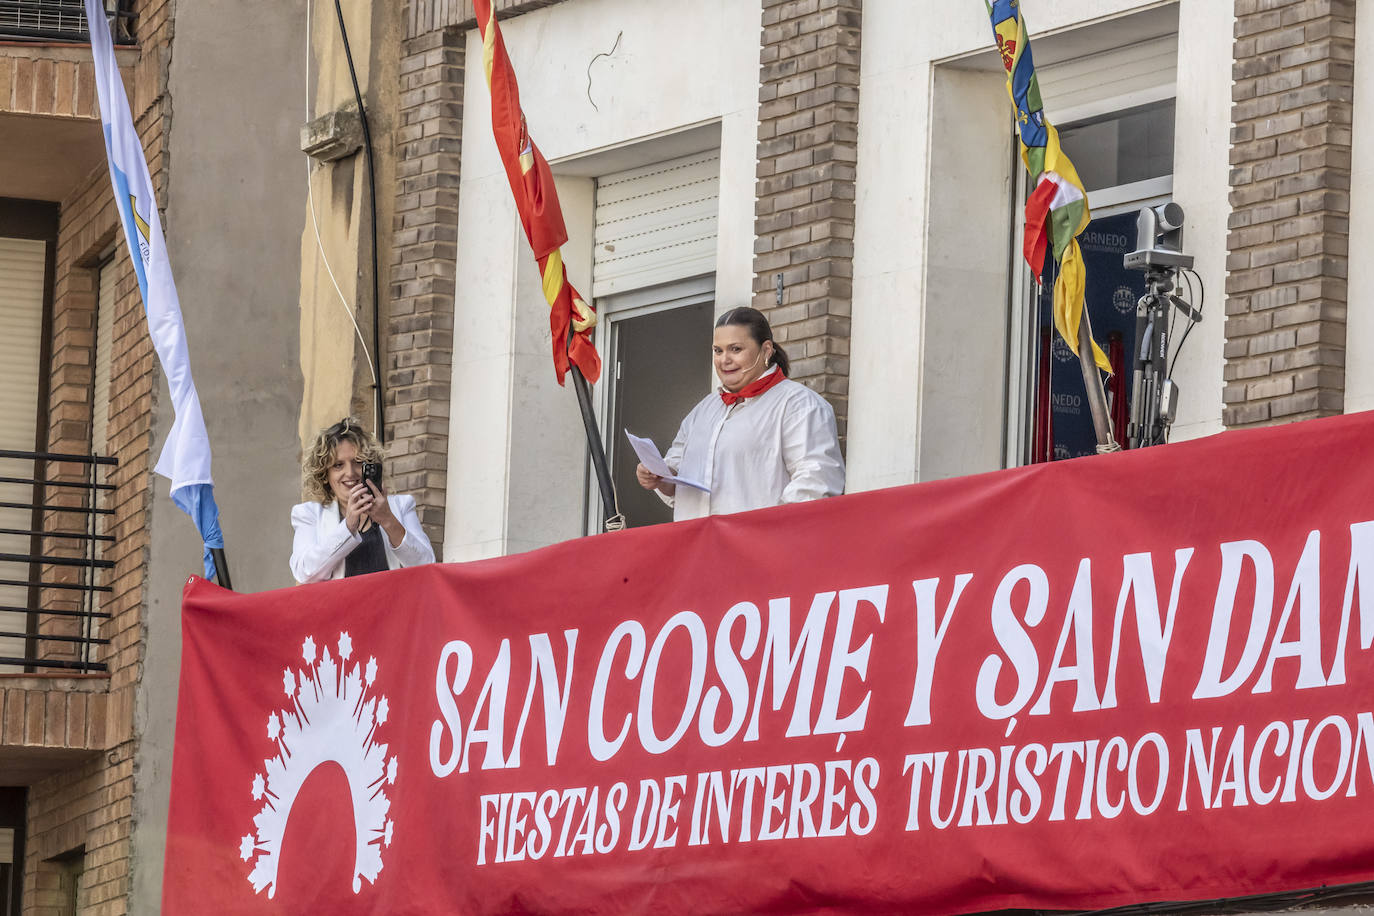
(759, 330)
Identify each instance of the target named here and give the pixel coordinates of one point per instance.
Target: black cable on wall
(380, 431)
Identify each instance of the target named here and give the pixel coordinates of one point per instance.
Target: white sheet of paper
(652, 458)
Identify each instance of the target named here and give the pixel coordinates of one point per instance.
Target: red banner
(1130, 678)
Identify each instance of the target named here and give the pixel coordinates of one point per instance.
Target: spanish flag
(536, 198)
(1057, 210)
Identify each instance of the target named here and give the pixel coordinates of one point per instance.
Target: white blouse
(323, 541)
(777, 447)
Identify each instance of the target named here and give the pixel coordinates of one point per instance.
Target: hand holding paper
(652, 458)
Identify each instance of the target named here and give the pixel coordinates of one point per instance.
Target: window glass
(1122, 147)
(659, 359)
(1062, 424)
(653, 279)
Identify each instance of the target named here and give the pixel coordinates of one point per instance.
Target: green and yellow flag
(1057, 210)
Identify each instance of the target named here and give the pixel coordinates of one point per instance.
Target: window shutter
(21, 315)
(1110, 81)
(656, 224)
(22, 263)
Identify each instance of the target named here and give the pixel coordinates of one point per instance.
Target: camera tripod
(1154, 395)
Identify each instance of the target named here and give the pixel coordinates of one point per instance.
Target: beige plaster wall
(337, 379)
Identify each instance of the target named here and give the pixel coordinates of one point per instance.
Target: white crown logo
(333, 717)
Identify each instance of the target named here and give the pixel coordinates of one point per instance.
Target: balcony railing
(61, 20)
(51, 546)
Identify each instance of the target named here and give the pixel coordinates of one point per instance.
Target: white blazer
(323, 540)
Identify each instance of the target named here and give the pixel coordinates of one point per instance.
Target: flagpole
(612, 520)
(221, 568)
(1092, 381)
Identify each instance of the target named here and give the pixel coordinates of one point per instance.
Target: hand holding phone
(372, 470)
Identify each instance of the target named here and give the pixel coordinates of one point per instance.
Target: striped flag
(1057, 210)
(536, 199)
(185, 458)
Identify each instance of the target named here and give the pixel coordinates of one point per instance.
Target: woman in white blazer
(350, 525)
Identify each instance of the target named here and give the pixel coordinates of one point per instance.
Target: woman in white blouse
(761, 440)
(349, 525)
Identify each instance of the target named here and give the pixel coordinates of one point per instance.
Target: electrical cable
(1173, 320)
(1201, 287)
(380, 431)
(1201, 301)
(319, 242)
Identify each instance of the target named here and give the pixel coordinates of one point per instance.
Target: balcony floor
(44, 158)
(24, 766)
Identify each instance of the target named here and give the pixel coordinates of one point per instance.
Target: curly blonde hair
(319, 457)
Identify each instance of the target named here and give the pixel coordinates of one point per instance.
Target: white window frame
(102, 374)
(611, 310)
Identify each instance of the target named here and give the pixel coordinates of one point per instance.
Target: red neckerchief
(755, 388)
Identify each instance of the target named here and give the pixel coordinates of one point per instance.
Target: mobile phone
(372, 470)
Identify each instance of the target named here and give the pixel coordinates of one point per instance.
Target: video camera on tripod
(1159, 252)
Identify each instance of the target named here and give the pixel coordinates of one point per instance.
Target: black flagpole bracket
(221, 567)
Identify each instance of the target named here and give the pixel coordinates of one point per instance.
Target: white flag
(185, 458)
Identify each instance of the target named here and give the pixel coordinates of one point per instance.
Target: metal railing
(61, 20)
(54, 520)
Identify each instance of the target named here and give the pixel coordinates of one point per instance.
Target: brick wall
(54, 711)
(424, 16)
(1290, 198)
(85, 805)
(59, 82)
(808, 145)
(90, 806)
(48, 82)
(424, 253)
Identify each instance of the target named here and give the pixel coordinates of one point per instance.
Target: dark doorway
(661, 370)
(13, 801)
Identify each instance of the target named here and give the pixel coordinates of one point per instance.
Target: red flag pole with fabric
(536, 200)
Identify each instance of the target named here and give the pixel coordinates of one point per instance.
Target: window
(656, 376)
(653, 279)
(22, 272)
(100, 405)
(1128, 151)
(68, 869)
(104, 333)
(1122, 147)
